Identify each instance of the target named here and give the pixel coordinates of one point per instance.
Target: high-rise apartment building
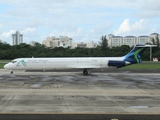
(17, 38)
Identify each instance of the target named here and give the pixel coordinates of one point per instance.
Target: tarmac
(108, 94)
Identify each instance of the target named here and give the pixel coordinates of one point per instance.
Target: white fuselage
(60, 63)
(133, 57)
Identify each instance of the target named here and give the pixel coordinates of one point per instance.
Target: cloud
(108, 3)
(30, 34)
(28, 30)
(148, 14)
(82, 20)
(73, 34)
(80, 34)
(8, 34)
(152, 5)
(137, 28)
(101, 28)
(1, 25)
(124, 27)
(148, 9)
(138, 25)
(27, 33)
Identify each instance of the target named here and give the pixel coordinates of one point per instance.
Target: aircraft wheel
(11, 72)
(85, 72)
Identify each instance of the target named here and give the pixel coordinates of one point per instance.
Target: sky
(82, 20)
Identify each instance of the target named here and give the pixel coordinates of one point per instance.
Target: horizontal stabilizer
(146, 45)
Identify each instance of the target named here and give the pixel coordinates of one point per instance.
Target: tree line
(8, 52)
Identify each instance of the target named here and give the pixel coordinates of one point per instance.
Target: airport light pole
(151, 51)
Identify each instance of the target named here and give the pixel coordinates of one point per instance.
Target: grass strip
(2, 65)
(143, 66)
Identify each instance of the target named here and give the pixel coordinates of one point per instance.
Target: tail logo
(135, 55)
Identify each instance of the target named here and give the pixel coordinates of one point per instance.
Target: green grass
(1, 65)
(144, 66)
(5, 61)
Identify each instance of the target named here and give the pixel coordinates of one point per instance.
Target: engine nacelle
(117, 64)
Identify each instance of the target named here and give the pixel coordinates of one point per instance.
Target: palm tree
(103, 44)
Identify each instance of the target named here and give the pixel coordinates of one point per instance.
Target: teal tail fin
(134, 56)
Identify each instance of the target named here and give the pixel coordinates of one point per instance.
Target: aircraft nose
(6, 66)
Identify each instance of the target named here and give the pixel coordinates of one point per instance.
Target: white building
(62, 41)
(128, 40)
(143, 39)
(90, 44)
(114, 40)
(154, 35)
(17, 38)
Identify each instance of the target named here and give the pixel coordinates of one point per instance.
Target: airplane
(84, 63)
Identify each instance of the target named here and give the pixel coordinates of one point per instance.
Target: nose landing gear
(11, 72)
(85, 72)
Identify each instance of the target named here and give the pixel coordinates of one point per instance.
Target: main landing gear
(85, 72)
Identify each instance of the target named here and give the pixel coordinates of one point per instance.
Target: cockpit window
(14, 61)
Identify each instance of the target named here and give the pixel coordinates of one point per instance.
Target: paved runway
(74, 93)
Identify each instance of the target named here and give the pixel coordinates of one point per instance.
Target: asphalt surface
(77, 117)
(123, 95)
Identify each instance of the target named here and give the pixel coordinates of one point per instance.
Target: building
(32, 43)
(3, 42)
(17, 38)
(143, 39)
(62, 41)
(90, 44)
(128, 40)
(154, 35)
(114, 40)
